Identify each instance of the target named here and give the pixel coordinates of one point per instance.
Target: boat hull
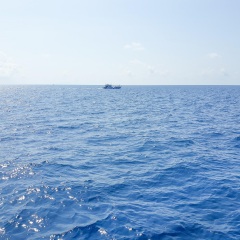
(108, 86)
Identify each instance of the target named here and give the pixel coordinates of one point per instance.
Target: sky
(126, 42)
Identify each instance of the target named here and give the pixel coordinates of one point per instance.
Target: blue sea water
(147, 162)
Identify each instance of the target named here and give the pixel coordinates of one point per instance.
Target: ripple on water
(139, 163)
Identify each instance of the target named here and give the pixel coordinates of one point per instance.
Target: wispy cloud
(137, 62)
(207, 72)
(213, 55)
(151, 69)
(224, 72)
(135, 46)
(129, 73)
(7, 66)
(137, 66)
(215, 72)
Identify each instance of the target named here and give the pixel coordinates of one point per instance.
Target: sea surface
(142, 162)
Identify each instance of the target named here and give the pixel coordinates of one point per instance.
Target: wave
(145, 163)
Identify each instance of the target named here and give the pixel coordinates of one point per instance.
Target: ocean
(141, 162)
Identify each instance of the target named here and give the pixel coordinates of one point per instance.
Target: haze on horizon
(127, 42)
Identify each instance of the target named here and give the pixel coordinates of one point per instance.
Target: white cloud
(135, 46)
(163, 72)
(224, 72)
(8, 67)
(127, 72)
(214, 55)
(215, 72)
(136, 62)
(151, 69)
(137, 67)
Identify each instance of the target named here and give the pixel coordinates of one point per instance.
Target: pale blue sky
(120, 42)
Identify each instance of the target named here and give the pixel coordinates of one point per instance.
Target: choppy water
(80, 162)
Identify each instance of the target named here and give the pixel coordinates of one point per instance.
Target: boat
(109, 86)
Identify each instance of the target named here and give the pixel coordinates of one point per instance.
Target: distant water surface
(149, 162)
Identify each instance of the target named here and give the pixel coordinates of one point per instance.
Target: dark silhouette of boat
(109, 86)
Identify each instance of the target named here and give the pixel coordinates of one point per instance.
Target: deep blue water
(81, 162)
